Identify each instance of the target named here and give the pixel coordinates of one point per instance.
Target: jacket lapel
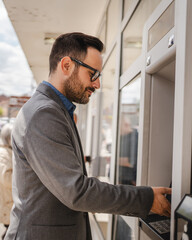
(49, 92)
(82, 155)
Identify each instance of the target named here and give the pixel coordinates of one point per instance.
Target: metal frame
(181, 171)
(183, 98)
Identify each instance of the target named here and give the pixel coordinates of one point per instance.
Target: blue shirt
(69, 105)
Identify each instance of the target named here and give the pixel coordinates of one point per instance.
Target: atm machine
(165, 143)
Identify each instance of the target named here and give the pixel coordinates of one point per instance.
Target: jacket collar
(68, 104)
(50, 93)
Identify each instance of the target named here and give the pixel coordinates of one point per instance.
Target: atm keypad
(162, 226)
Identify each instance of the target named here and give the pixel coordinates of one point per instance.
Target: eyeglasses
(96, 73)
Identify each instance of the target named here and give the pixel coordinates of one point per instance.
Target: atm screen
(185, 209)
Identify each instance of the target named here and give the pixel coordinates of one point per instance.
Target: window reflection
(132, 35)
(128, 152)
(128, 132)
(161, 26)
(107, 113)
(123, 230)
(101, 164)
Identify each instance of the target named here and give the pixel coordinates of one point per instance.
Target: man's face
(78, 87)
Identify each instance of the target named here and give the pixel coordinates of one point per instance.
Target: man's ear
(67, 65)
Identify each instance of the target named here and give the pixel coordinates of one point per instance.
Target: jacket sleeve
(49, 149)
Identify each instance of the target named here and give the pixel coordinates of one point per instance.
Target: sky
(15, 75)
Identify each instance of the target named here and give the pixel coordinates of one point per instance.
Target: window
(128, 132)
(112, 22)
(103, 161)
(132, 35)
(102, 31)
(126, 6)
(123, 231)
(161, 26)
(107, 114)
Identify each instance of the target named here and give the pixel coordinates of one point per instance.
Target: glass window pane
(81, 117)
(112, 22)
(128, 132)
(102, 31)
(132, 35)
(106, 115)
(126, 6)
(162, 26)
(102, 162)
(123, 231)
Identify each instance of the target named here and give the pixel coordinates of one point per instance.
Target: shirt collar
(69, 105)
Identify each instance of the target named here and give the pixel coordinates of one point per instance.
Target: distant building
(4, 103)
(11, 105)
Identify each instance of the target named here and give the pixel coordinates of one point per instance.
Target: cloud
(15, 75)
(7, 32)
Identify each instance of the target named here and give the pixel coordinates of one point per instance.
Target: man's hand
(161, 205)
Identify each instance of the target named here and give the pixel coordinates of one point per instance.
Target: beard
(75, 91)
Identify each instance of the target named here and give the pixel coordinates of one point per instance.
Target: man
(52, 193)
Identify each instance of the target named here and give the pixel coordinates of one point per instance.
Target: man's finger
(167, 207)
(166, 190)
(167, 214)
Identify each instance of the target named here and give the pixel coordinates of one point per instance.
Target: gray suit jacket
(52, 193)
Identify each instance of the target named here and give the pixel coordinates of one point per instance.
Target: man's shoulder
(39, 101)
(35, 105)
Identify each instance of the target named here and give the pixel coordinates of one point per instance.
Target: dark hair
(74, 45)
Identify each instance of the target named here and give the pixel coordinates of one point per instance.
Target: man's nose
(96, 83)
